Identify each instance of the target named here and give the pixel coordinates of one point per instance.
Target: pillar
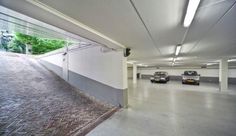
(125, 83)
(28, 49)
(223, 74)
(65, 64)
(134, 73)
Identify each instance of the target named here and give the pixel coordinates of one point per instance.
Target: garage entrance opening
(36, 96)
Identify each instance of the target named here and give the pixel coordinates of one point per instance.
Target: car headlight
(184, 78)
(163, 78)
(151, 78)
(196, 78)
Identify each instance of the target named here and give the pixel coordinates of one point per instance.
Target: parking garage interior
(104, 80)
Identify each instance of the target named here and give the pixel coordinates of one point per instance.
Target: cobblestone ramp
(34, 101)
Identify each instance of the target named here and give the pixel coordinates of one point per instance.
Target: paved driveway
(34, 101)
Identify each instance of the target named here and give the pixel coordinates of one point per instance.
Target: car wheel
(198, 83)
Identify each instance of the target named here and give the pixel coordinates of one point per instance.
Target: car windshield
(190, 73)
(160, 74)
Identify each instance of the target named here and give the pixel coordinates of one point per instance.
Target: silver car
(191, 77)
(160, 77)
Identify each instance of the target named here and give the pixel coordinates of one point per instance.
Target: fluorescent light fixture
(191, 10)
(231, 60)
(177, 50)
(131, 62)
(173, 63)
(174, 59)
(142, 65)
(209, 64)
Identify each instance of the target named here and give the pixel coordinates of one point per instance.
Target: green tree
(5, 41)
(16, 46)
(39, 45)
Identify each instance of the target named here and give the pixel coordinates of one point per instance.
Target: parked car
(191, 77)
(160, 77)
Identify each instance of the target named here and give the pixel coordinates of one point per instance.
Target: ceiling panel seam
(21, 25)
(213, 4)
(54, 31)
(184, 36)
(209, 30)
(38, 32)
(28, 22)
(73, 21)
(149, 33)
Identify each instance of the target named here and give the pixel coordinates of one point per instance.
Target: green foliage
(4, 43)
(16, 46)
(39, 46)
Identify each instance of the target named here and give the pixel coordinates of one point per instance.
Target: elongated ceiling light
(231, 60)
(191, 10)
(174, 59)
(209, 64)
(131, 62)
(172, 64)
(177, 50)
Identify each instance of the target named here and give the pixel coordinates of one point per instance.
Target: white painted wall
(232, 73)
(178, 72)
(55, 59)
(109, 68)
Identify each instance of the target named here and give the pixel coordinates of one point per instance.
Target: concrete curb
(92, 124)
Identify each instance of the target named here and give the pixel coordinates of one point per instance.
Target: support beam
(125, 83)
(134, 73)
(223, 74)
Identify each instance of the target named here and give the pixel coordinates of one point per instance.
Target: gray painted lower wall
(232, 80)
(102, 92)
(99, 90)
(203, 79)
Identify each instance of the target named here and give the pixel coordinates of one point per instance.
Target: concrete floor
(173, 109)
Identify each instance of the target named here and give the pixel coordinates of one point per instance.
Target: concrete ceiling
(152, 28)
(12, 22)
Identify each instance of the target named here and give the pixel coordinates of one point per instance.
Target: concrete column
(134, 73)
(65, 64)
(125, 83)
(28, 49)
(223, 74)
